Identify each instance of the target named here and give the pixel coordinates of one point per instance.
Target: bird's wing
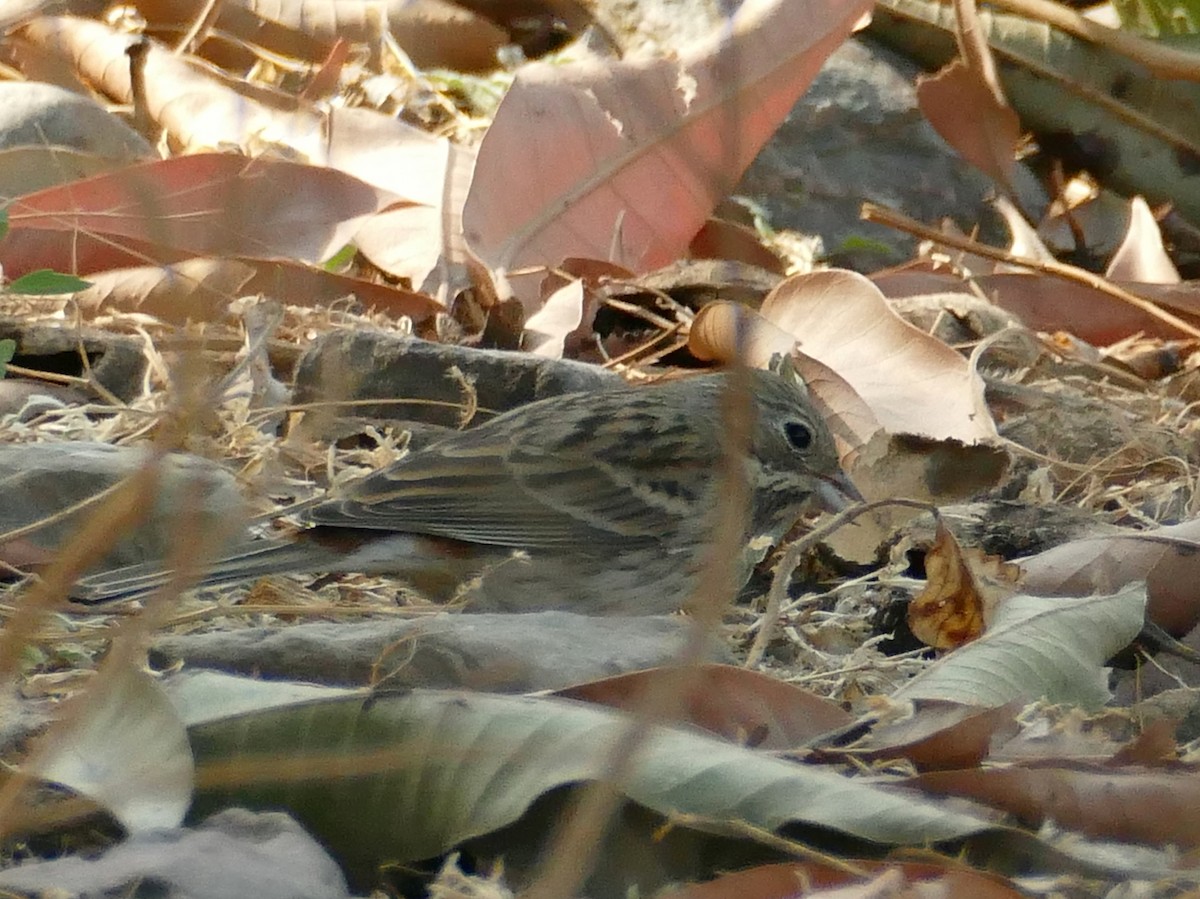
(504, 493)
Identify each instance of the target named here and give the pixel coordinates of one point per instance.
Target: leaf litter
(1076, 426)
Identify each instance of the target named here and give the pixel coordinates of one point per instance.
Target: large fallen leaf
(200, 108)
(122, 744)
(434, 33)
(407, 777)
(1053, 304)
(1038, 648)
(743, 706)
(208, 204)
(202, 289)
(1165, 558)
(625, 161)
(869, 370)
(409, 240)
(1136, 806)
(913, 383)
(905, 880)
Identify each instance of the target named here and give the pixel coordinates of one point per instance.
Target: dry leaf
(723, 332)
(546, 331)
(1052, 304)
(1168, 559)
(987, 138)
(913, 383)
(625, 161)
(1141, 255)
(962, 590)
(169, 209)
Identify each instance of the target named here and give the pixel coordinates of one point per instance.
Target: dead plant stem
(874, 213)
(791, 561)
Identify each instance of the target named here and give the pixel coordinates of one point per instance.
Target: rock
(358, 365)
(117, 361)
(857, 135)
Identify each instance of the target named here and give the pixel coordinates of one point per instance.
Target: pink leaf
(625, 161)
(208, 204)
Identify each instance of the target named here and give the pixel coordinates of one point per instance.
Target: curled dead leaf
(724, 332)
(913, 383)
(963, 587)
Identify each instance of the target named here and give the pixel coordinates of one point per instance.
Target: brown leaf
(1130, 805)
(1053, 304)
(624, 161)
(434, 33)
(949, 611)
(743, 706)
(419, 239)
(1167, 559)
(936, 735)
(208, 204)
(916, 880)
(987, 138)
(913, 383)
(723, 332)
(199, 106)
(723, 239)
(201, 289)
(962, 589)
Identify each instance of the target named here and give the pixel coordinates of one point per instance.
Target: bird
(601, 503)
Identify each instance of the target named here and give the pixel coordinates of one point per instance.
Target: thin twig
(1162, 60)
(791, 561)
(874, 213)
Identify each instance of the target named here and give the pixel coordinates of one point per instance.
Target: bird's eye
(799, 434)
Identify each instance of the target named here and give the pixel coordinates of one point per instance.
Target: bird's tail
(252, 559)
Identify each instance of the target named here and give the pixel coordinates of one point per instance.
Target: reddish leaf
(209, 204)
(743, 706)
(987, 138)
(625, 161)
(722, 239)
(784, 881)
(1053, 304)
(1138, 806)
(937, 735)
(201, 289)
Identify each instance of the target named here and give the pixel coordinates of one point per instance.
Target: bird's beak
(837, 492)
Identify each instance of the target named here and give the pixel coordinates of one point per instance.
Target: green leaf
(340, 261)
(8, 349)
(453, 766)
(1051, 647)
(45, 282)
(1158, 18)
